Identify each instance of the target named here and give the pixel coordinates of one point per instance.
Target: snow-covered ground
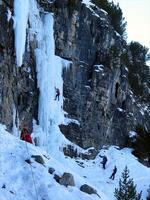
(21, 181)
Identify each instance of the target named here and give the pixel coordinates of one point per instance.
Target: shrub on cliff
(139, 52)
(141, 145)
(115, 13)
(138, 70)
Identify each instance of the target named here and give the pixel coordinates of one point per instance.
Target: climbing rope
(34, 183)
(33, 179)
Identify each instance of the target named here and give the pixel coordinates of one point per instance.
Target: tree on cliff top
(139, 52)
(115, 13)
(139, 78)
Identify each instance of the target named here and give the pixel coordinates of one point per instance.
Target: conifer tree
(148, 196)
(115, 13)
(127, 189)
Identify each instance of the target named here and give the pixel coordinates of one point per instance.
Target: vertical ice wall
(49, 73)
(21, 10)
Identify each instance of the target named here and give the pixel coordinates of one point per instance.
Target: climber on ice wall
(57, 93)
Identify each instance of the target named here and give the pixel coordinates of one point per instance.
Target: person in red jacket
(26, 136)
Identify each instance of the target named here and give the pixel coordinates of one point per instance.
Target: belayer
(104, 161)
(57, 93)
(113, 173)
(26, 136)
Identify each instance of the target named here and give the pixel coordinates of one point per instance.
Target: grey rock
(88, 189)
(57, 178)
(28, 161)
(67, 179)
(38, 159)
(72, 152)
(11, 192)
(90, 155)
(3, 186)
(51, 170)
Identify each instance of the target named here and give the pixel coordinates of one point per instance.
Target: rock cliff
(96, 89)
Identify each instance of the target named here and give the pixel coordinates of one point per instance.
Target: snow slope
(17, 182)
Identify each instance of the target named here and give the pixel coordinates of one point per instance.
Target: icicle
(21, 10)
(15, 120)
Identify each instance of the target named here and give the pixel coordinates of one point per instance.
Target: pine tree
(115, 13)
(148, 196)
(127, 189)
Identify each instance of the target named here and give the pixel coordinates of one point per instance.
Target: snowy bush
(141, 145)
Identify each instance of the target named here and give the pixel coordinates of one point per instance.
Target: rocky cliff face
(18, 90)
(96, 89)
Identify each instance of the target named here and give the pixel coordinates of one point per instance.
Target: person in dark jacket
(57, 93)
(26, 136)
(104, 161)
(113, 173)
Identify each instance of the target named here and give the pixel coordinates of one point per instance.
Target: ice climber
(113, 173)
(26, 136)
(104, 161)
(57, 93)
